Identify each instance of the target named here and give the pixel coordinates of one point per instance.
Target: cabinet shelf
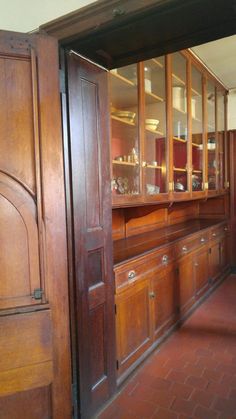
(198, 145)
(196, 119)
(124, 163)
(116, 118)
(151, 97)
(155, 132)
(197, 171)
(152, 166)
(154, 60)
(196, 92)
(180, 140)
(123, 79)
(179, 169)
(178, 79)
(179, 110)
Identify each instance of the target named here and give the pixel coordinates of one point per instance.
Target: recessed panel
(95, 267)
(97, 347)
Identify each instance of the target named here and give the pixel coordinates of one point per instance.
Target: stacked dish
(151, 124)
(126, 116)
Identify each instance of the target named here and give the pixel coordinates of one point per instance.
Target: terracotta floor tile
(198, 382)
(227, 406)
(204, 398)
(181, 390)
(185, 407)
(212, 375)
(177, 376)
(218, 389)
(165, 414)
(204, 413)
(193, 370)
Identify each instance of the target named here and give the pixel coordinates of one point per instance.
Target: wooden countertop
(132, 247)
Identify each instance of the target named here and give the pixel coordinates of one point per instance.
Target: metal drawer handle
(213, 234)
(152, 294)
(226, 229)
(196, 264)
(131, 274)
(165, 259)
(202, 240)
(184, 248)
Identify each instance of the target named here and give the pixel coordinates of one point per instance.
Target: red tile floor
(192, 374)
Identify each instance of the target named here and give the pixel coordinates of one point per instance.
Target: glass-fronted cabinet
(168, 138)
(211, 136)
(125, 147)
(180, 123)
(155, 141)
(221, 137)
(197, 130)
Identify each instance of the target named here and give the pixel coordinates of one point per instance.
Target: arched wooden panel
(19, 255)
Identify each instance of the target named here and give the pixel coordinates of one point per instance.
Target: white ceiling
(220, 58)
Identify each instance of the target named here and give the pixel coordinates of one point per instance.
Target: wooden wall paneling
(143, 219)
(201, 271)
(91, 223)
(33, 235)
(32, 404)
(118, 224)
(214, 207)
(232, 180)
(182, 211)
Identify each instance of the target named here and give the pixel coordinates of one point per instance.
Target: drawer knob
(184, 248)
(196, 264)
(226, 229)
(152, 294)
(213, 234)
(202, 240)
(131, 274)
(165, 259)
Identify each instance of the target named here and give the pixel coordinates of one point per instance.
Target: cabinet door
(214, 260)
(155, 139)
(185, 289)
(35, 377)
(211, 136)
(221, 134)
(180, 129)
(164, 300)
(125, 144)
(198, 146)
(201, 271)
(223, 253)
(133, 327)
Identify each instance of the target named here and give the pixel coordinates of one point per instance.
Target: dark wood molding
(117, 32)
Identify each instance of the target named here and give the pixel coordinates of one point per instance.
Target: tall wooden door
(34, 332)
(89, 206)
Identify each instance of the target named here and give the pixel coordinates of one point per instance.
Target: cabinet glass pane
(211, 136)
(221, 136)
(155, 126)
(197, 130)
(125, 147)
(180, 127)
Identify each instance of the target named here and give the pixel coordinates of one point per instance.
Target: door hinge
(62, 81)
(37, 294)
(117, 364)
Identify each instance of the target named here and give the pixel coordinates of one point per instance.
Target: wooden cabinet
(156, 290)
(133, 325)
(168, 121)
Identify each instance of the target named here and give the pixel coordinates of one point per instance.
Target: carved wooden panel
(91, 233)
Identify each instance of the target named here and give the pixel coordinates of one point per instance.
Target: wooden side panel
(34, 327)
(32, 404)
(91, 202)
(214, 260)
(180, 212)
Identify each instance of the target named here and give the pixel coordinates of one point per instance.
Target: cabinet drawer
(218, 231)
(137, 270)
(188, 245)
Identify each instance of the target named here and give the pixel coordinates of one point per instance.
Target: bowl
(151, 124)
(127, 116)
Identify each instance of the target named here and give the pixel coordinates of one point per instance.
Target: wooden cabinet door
(163, 295)
(214, 260)
(223, 253)
(34, 325)
(201, 271)
(185, 287)
(89, 208)
(133, 326)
